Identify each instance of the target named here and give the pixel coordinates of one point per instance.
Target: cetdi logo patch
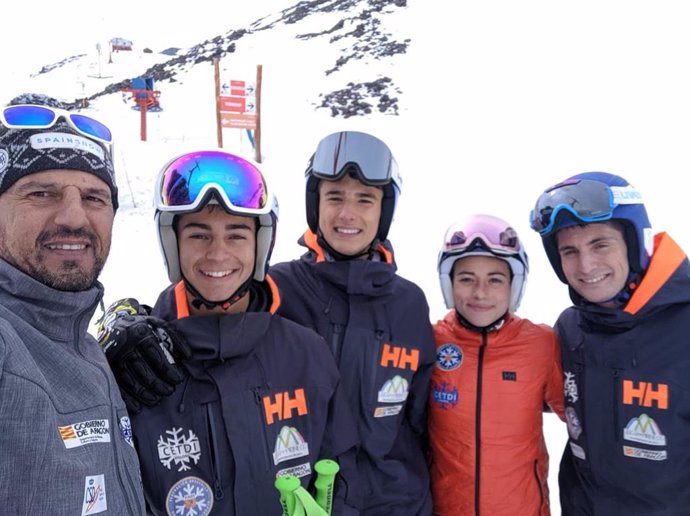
(179, 448)
(289, 445)
(445, 395)
(190, 496)
(86, 432)
(643, 429)
(94, 495)
(394, 390)
(448, 357)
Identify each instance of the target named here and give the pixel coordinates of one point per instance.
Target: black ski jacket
(627, 397)
(262, 399)
(377, 326)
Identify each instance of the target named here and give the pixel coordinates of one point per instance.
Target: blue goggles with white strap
(30, 116)
(586, 200)
(186, 182)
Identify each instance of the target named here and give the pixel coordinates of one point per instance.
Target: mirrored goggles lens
(185, 182)
(372, 157)
(482, 234)
(28, 116)
(588, 201)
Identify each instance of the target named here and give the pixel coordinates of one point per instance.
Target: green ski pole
(307, 503)
(326, 470)
(287, 485)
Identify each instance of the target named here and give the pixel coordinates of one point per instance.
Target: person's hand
(143, 353)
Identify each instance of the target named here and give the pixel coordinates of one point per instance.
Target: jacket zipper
(478, 424)
(116, 424)
(259, 403)
(217, 480)
(616, 375)
(336, 342)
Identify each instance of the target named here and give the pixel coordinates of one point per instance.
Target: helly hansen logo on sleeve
(645, 394)
(285, 405)
(397, 356)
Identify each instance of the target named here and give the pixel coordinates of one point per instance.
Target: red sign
(237, 88)
(233, 104)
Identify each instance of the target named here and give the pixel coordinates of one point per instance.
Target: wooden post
(143, 108)
(257, 131)
(219, 123)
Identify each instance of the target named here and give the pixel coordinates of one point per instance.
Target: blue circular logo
(190, 496)
(448, 357)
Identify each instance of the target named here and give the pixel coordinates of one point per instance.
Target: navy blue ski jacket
(377, 326)
(262, 399)
(627, 396)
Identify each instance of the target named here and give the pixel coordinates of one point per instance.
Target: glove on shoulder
(143, 352)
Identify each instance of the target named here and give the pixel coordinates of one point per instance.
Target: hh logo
(283, 404)
(402, 358)
(645, 394)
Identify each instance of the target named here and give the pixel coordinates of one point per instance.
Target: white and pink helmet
(483, 235)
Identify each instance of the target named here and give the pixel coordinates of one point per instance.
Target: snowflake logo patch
(448, 357)
(179, 449)
(190, 496)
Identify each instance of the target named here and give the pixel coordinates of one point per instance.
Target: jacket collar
(51, 312)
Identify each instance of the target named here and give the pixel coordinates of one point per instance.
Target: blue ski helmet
(588, 198)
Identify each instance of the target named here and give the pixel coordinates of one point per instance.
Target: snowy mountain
(484, 104)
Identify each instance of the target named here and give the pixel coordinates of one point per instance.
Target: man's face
(217, 252)
(594, 258)
(349, 214)
(56, 226)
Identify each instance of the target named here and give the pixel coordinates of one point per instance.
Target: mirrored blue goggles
(585, 200)
(482, 234)
(372, 158)
(29, 116)
(186, 182)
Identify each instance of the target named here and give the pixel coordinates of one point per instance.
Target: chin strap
(339, 257)
(198, 300)
(496, 325)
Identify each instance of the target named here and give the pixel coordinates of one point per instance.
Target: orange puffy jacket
(487, 395)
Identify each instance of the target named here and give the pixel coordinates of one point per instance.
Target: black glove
(143, 353)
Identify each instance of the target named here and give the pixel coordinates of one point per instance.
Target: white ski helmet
(189, 182)
(483, 235)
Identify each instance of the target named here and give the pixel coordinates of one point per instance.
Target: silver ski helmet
(189, 182)
(367, 158)
(483, 235)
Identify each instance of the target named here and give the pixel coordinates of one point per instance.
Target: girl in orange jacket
(494, 375)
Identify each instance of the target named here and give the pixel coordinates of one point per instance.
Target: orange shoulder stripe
(181, 301)
(313, 244)
(658, 273)
(275, 294)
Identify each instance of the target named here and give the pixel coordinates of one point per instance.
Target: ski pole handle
(286, 486)
(326, 470)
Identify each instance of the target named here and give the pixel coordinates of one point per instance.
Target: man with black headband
(377, 323)
(258, 396)
(625, 350)
(65, 436)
